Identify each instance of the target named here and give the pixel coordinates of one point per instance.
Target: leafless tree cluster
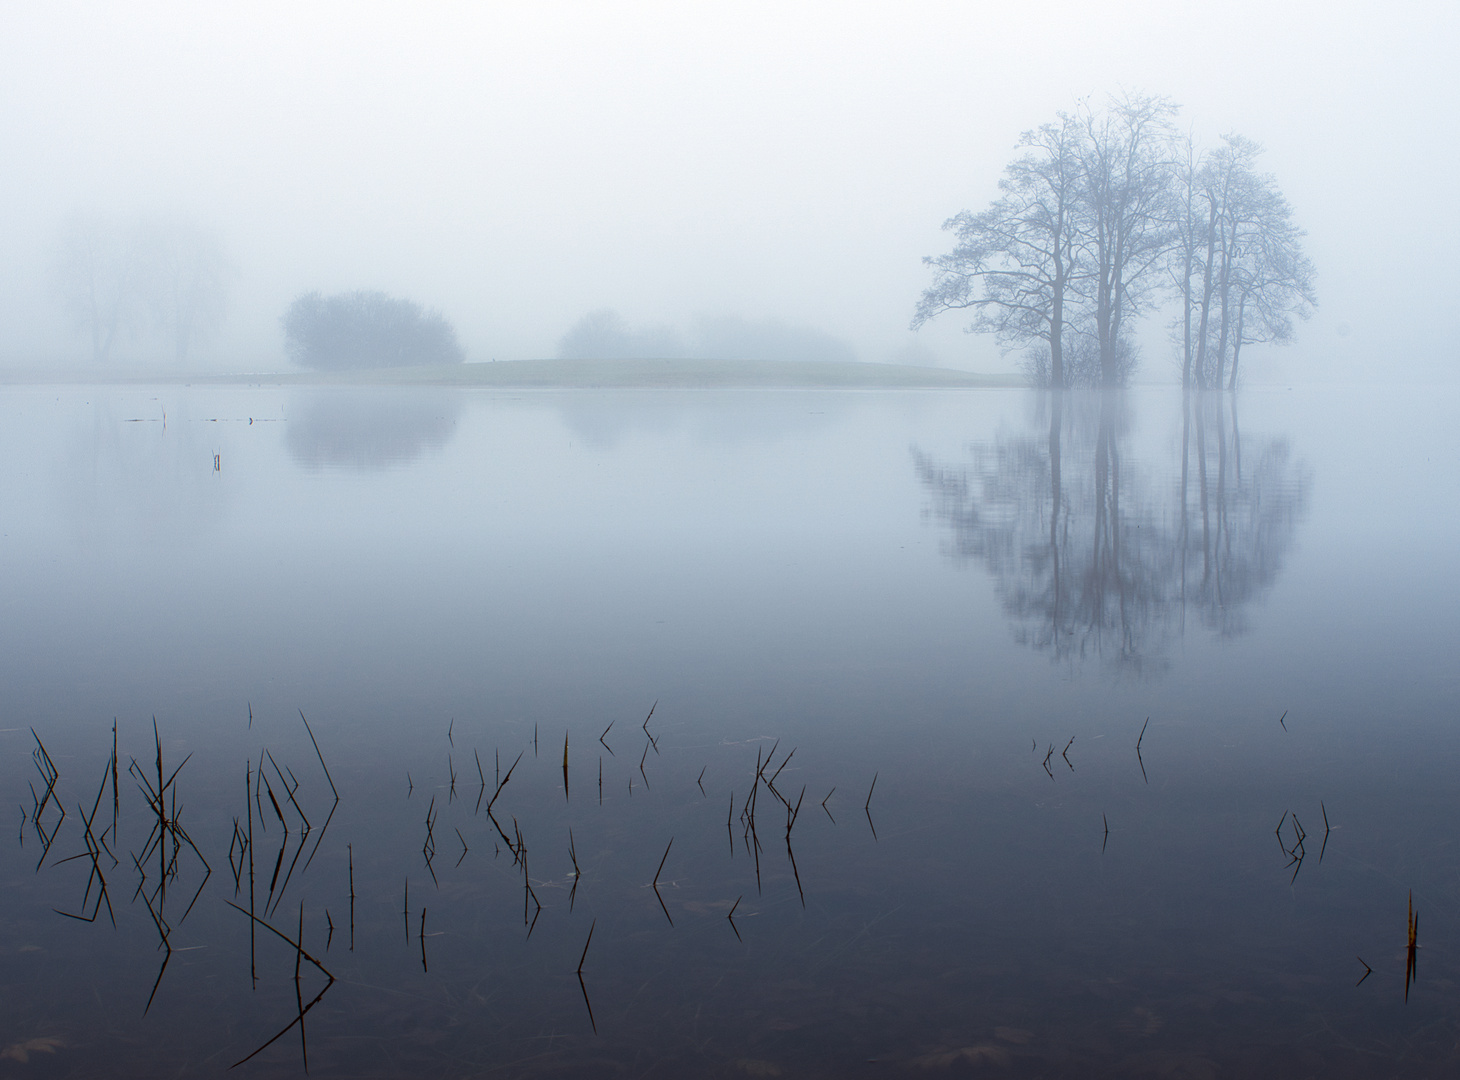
(1104, 216)
(157, 282)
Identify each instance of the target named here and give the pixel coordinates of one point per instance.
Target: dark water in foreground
(978, 599)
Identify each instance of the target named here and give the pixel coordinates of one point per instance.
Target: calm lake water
(1122, 733)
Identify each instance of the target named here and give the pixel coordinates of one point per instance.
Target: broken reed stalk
(350, 851)
(304, 1011)
(772, 782)
(600, 779)
(700, 780)
(422, 936)
(1410, 969)
(731, 917)
(650, 716)
(577, 874)
(655, 883)
(585, 946)
(829, 794)
(565, 766)
(604, 735)
(252, 954)
(792, 856)
(581, 984)
(483, 777)
(868, 804)
(1324, 848)
(298, 991)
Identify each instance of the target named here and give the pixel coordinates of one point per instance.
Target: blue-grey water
(980, 602)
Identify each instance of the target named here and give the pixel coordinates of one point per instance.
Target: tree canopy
(1104, 216)
(364, 329)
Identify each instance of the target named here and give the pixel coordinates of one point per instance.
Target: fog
(520, 167)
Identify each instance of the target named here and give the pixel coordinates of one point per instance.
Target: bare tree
(1015, 263)
(186, 275)
(98, 282)
(166, 278)
(1254, 274)
(1271, 277)
(1125, 216)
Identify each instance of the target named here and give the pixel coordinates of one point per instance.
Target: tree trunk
(1237, 341)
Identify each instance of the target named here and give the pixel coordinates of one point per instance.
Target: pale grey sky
(517, 165)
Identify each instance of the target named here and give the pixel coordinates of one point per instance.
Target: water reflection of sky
(881, 580)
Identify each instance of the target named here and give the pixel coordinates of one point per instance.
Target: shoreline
(559, 375)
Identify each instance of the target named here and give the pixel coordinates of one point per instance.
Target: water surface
(978, 598)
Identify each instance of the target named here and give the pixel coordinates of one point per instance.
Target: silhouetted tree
(366, 330)
(1243, 273)
(162, 279)
(1100, 212)
(1015, 263)
(98, 278)
(185, 279)
(1125, 162)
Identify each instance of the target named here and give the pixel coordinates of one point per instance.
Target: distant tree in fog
(98, 282)
(1242, 274)
(606, 335)
(1014, 264)
(158, 280)
(366, 330)
(731, 337)
(1125, 158)
(1103, 216)
(185, 279)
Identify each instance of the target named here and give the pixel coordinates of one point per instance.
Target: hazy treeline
(160, 282)
(1109, 215)
(606, 335)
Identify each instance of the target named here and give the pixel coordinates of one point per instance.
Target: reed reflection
(1100, 551)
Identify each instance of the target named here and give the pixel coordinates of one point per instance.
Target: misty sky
(518, 165)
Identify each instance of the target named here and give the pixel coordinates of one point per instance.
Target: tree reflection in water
(1098, 553)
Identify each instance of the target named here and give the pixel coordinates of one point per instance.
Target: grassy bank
(573, 374)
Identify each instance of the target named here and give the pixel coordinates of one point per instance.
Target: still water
(732, 734)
